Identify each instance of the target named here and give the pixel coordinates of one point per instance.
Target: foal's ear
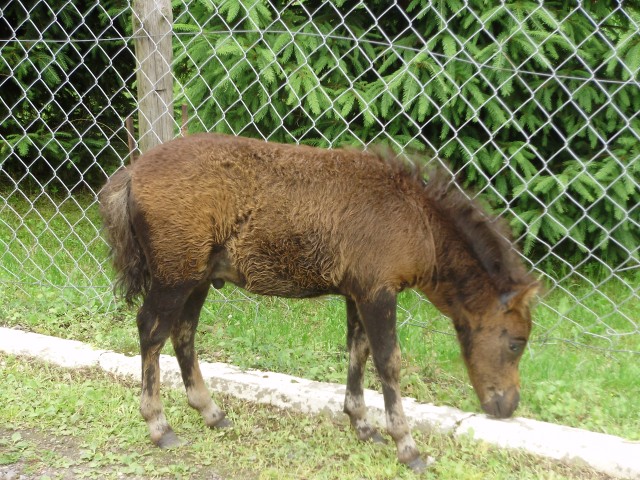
(521, 296)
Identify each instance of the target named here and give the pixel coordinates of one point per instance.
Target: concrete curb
(609, 454)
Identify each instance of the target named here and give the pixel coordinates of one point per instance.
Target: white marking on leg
(151, 410)
(201, 401)
(354, 405)
(399, 430)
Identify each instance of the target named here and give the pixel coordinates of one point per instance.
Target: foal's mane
(489, 238)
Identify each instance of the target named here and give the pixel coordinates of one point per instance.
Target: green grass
(576, 371)
(561, 382)
(57, 423)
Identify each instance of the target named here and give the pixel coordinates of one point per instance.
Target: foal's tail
(132, 271)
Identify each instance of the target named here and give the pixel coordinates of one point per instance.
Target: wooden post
(152, 30)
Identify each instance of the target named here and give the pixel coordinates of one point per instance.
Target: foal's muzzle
(502, 404)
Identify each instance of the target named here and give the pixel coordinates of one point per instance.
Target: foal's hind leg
(183, 337)
(354, 405)
(155, 318)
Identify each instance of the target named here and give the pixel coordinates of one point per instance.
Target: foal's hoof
(418, 465)
(224, 422)
(369, 434)
(170, 440)
(377, 438)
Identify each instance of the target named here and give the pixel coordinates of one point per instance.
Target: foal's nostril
(498, 404)
(502, 405)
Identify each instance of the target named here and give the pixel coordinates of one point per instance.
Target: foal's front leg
(379, 319)
(354, 405)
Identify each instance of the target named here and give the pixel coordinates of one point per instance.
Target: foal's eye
(516, 347)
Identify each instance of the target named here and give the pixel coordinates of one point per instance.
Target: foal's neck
(458, 278)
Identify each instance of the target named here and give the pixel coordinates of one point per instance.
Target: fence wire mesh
(533, 107)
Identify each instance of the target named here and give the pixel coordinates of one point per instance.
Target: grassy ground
(57, 423)
(564, 381)
(561, 382)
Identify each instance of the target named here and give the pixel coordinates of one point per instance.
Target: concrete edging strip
(609, 454)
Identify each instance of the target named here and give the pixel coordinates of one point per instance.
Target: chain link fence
(534, 107)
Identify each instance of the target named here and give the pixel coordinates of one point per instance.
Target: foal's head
(493, 340)
(480, 281)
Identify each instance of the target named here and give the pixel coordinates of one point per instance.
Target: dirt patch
(30, 454)
(26, 452)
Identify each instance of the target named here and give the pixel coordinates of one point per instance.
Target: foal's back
(292, 220)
